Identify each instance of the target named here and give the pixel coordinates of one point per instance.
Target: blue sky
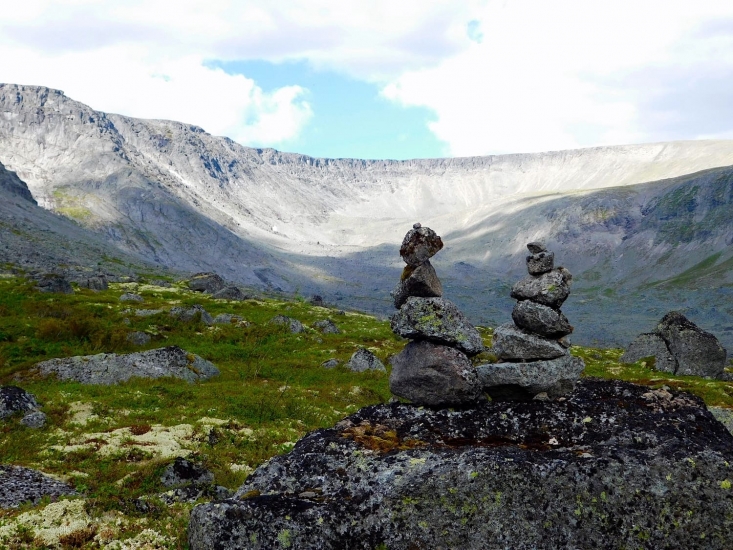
(350, 117)
(386, 79)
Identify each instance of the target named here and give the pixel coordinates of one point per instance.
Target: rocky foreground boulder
(613, 465)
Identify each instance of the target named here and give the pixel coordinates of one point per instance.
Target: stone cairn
(533, 352)
(434, 368)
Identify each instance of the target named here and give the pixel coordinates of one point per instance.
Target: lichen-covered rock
(650, 345)
(521, 381)
(194, 313)
(614, 465)
(229, 293)
(421, 281)
(110, 368)
(293, 325)
(513, 343)
(434, 375)
(35, 419)
(696, 351)
(19, 485)
(437, 320)
(550, 289)
(419, 245)
(50, 282)
(14, 399)
(540, 263)
(364, 360)
(185, 472)
(326, 326)
(209, 283)
(541, 319)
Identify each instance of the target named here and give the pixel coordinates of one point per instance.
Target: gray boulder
(541, 319)
(614, 465)
(419, 245)
(98, 282)
(513, 343)
(364, 360)
(420, 281)
(185, 472)
(14, 399)
(326, 326)
(521, 381)
(696, 351)
(36, 420)
(131, 297)
(139, 338)
(110, 368)
(437, 320)
(57, 284)
(230, 293)
(330, 364)
(434, 375)
(550, 289)
(294, 325)
(208, 282)
(20, 485)
(540, 263)
(650, 345)
(193, 313)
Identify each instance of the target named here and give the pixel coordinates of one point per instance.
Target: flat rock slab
(438, 320)
(512, 343)
(614, 465)
(434, 375)
(522, 381)
(110, 368)
(20, 485)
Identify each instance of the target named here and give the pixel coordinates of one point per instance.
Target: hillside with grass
(112, 443)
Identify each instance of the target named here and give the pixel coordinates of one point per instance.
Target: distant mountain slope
(643, 227)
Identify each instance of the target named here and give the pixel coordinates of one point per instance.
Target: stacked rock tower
(434, 368)
(533, 350)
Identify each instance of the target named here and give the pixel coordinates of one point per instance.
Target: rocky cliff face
(177, 196)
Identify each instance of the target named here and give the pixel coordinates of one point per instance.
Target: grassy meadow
(112, 442)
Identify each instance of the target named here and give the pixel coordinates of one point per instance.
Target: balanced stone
(550, 289)
(419, 245)
(696, 351)
(541, 319)
(650, 345)
(522, 381)
(536, 247)
(540, 263)
(437, 320)
(514, 344)
(434, 375)
(420, 281)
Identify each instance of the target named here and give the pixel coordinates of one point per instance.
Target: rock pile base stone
(614, 465)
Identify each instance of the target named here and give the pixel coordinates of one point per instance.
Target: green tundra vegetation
(113, 442)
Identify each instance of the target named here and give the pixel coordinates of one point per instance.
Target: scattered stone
(514, 344)
(437, 320)
(364, 360)
(541, 319)
(434, 375)
(419, 245)
(34, 420)
(210, 283)
(139, 338)
(294, 325)
(696, 351)
(185, 472)
(326, 326)
(540, 263)
(14, 399)
(194, 313)
(131, 297)
(57, 284)
(330, 364)
(420, 281)
(230, 319)
(650, 345)
(110, 368)
(230, 293)
(317, 300)
(523, 381)
(146, 312)
(550, 289)
(608, 466)
(20, 485)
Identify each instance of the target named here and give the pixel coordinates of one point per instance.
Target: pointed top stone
(536, 247)
(419, 245)
(417, 225)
